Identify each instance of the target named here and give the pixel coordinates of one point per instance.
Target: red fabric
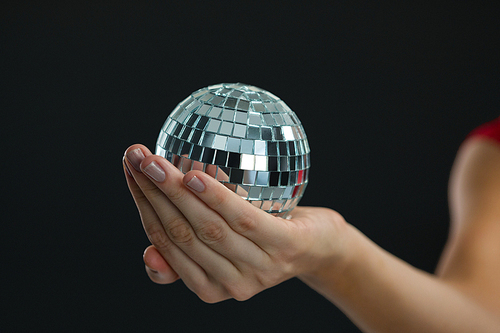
(490, 130)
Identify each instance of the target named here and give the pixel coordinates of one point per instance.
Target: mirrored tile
(196, 152)
(267, 193)
(259, 147)
(287, 119)
(277, 193)
(268, 119)
(262, 178)
(249, 177)
(277, 133)
(236, 176)
(254, 119)
(240, 117)
(274, 178)
(213, 125)
(254, 192)
(233, 145)
(258, 107)
(170, 127)
(191, 119)
(196, 136)
(208, 139)
(266, 205)
(221, 158)
(204, 109)
(246, 147)
(220, 142)
(202, 121)
(162, 139)
(227, 115)
(200, 92)
(186, 148)
(284, 178)
(183, 116)
(206, 97)
(236, 93)
(215, 112)
(253, 133)
(239, 130)
(266, 133)
(233, 161)
(175, 147)
(261, 163)
(185, 133)
(270, 107)
(253, 96)
(287, 193)
(193, 106)
(278, 119)
(215, 86)
(243, 105)
(217, 100)
(247, 162)
(230, 103)
(226, 128)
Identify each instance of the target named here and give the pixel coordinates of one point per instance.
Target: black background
(386, 92)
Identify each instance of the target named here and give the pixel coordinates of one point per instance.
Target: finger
(167, 226)
(157, 268)
(208, 226)
(244, 218)
(188, 270)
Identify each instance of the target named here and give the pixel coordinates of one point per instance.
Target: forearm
(381, 293)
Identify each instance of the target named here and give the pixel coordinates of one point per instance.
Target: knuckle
(159, 239)
(150, 190)
(176, 195)
(219, 199)
(244, 222)
(239, 293)
(180, 232)
(209, 295)
(211, 233)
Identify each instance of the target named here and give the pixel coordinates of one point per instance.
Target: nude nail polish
(135, 158)
(155, 171)
(196, 184)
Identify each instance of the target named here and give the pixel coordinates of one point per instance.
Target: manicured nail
(196, 184)
(152, 270)
(135, 158)
(155, 171)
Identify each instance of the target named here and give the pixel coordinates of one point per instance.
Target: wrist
(333, 272)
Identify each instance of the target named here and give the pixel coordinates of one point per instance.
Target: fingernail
(135, 158)
(196, 184)
(155, 171)
(152, 270)
(126, 167)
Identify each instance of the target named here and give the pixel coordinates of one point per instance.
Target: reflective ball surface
(245, 137)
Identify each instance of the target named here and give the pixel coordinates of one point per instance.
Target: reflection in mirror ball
(245, 137)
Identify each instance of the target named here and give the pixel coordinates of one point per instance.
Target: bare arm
(381, 293)
(471, 260)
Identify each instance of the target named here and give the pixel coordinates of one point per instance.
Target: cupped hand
(220, 245)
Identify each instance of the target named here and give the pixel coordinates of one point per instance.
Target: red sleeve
(489, 130)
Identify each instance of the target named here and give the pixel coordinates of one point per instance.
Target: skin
(223, 247)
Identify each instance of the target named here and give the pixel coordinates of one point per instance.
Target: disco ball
(243, 136)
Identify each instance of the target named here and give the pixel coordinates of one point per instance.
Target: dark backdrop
(386, 92)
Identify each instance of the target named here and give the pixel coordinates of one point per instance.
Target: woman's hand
(219, 244)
